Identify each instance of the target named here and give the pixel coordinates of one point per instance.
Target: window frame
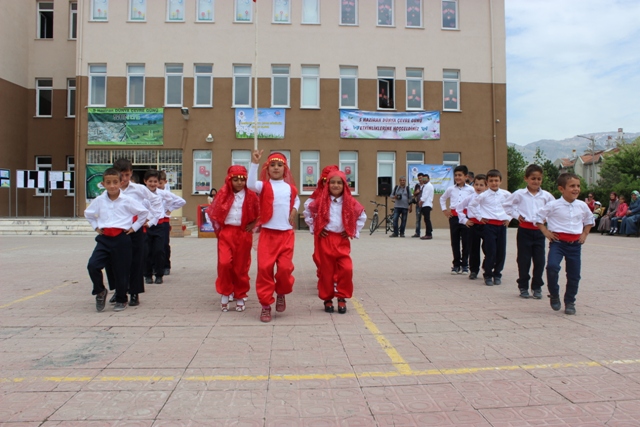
(410, 181)
(168, 74)
(71, 167)
(340, 14)
(46, 167)
(196, 76)
(456, 15)
(451, 162)
(421, 85)
(235, 14)
(95, 8)
(390, 84)
(238, 158)
(197, 163)
(448, 80)
(309, 182)
(386, 162)
(393, 17)
(131, 74)
(71, 97)
(348, 77)
(242, 75)
(73, 20)
(94, 75)
(169, 10)
(306, 77)
(344, 162)
(130, 17)
(40, 11)
(302, 21)
(284, 76)
(199, 12)
(43, 89)
(274, 15)
(421, 13)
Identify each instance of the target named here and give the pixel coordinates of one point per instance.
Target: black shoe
(101, 299)
(524, 293)
(488, 281)
(555, 302)
(120, 306)
(158, 280)
(148, 280)
(415, 235)
(455, 270)
(394, 235)
(537, 294)
(134, 300)
(112, 300)
(473, 276)
(342, 306)
(497, 281)
(569, 308)
(167, 272)
(328, 306)
(402, 235)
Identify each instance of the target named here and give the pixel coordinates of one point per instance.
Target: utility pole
(592, 148)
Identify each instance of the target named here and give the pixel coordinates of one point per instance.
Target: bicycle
(375, 222)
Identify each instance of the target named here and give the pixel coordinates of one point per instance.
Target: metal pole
(255, 82)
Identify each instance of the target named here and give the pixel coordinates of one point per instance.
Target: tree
(550, 172)
(515, 169)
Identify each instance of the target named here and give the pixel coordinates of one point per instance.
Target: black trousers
(476, 231)
(114, 252)
(135, 284)
(425, 211)
(167, 247)
(494, 246)
(154, 253)
(530, 248)
(459, 237)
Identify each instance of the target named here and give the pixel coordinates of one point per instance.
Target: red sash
(112, 232)
(163, 220)
(567, 237)
(528, 225)
(495, 222)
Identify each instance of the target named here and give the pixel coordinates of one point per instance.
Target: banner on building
(389, 125)
(94, 180)
(441, 176)
(270, 123)
(125, 126)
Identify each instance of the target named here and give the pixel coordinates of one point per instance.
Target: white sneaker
(231, 297)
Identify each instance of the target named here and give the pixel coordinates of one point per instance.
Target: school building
(164, 82)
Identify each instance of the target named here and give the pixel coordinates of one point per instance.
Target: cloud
(573, 66)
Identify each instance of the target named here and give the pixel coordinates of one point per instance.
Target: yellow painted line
(36, 295)
(16, 248)
(285, 377)
(398, 361)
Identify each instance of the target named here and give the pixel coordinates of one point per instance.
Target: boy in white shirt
(110, 215)
(176, 203)
(568, 222)
(471, 220)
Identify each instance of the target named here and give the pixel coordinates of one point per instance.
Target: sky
(573, 67)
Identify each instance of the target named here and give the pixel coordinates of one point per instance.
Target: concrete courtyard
(417, 346)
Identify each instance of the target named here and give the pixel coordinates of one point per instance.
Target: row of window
(243, 13)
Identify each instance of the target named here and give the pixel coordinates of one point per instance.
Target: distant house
(565, 164)
(589, 164)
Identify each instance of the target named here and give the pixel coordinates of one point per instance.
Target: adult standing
(426, 204)
(401, 196)
(417, 192)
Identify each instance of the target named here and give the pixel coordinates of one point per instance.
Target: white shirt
(426, 197)
(455, 195)
(488, 205)
(140, 193)
(170, 201)
(335, 224)
(281, 199)
(106, 213)
(308, 218)
(462, 217)
(523, 203)
(564, 217)
(234, 217)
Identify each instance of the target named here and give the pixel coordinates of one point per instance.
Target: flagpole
(255, 82)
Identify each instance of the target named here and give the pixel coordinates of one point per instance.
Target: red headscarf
(266, 195)
(219, 209)
(351, 208)
(323, 180)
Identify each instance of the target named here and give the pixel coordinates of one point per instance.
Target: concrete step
(58, 226)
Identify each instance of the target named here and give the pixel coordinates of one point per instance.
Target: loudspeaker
(384, 186)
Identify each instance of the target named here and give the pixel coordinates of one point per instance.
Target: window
(173, 85)
(412, 175)
(386, 88)
(99, 10)
(414, 13)
(348, 87)
(97, 85)
(138, 10)
(43, 163)
(201, 171)
(243, 10)
(387, 164)
(281, 11)
(44, 97)
(71, 97)
(451, 159)
(310, 87)
(241, 157)
(450, 89)
(175, 10)
(73, 20)
(242, 85)
(203, 90)
(280, 86)
(348, 12)
(385, 13)
(414, 89)
(205, 12)
(349, 165)
(71, 167)
(45, 20)
(309, 170)
(450, 14)
(310, 11)
(135, 85)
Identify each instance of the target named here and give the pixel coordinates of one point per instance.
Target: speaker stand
(386, 213)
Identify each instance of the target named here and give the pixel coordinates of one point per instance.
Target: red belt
(163, 220)
(112, 232)
(453, 212)
(475, 221)
(528, 225)
(567, 237)
(495, 222)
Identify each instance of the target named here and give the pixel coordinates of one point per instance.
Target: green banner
(125, 126)
(94, 180)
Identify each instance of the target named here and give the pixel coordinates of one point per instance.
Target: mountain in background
(554, 149)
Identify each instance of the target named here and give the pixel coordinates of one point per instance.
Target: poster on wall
(5, 178)
(389, 125)
(270, 123)
(125, 126)
(94, 180)
(310, 176)
(441, 176)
